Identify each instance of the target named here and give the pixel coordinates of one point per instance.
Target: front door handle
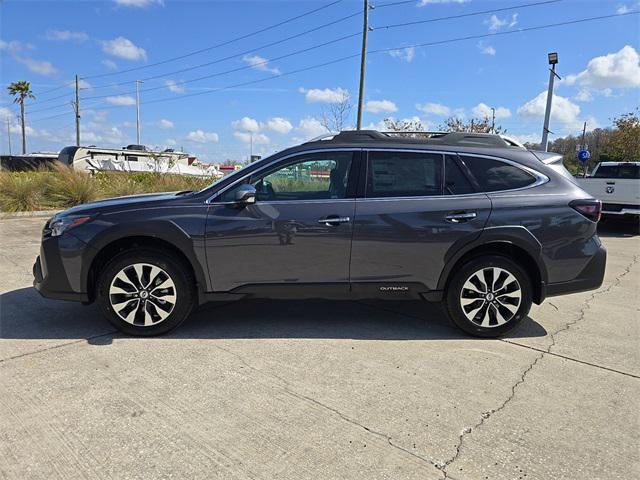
(334, 220)
(460, 217)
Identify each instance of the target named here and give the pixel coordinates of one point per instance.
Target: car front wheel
(489, 296)
(146, 292)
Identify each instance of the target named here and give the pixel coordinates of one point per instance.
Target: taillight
(592, 209)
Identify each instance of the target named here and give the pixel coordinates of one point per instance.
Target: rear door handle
(460, 217)
(334, 220)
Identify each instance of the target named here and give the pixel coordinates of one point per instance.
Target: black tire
(179, 289)
(507, 306)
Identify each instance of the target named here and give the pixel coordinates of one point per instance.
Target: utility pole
(9, 135)
(493, 120)
(583, 147)
(138, 82)
(553, 60)
(76, 107)
(363, 62)
(250, 146)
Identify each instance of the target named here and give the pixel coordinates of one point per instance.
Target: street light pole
(9, 135)
(553, 60)
(493, 120)
(363, 62)
(138, 82)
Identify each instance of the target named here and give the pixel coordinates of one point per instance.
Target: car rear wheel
(146, 292)
(489, 296)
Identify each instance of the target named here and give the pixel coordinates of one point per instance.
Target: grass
(61, 187)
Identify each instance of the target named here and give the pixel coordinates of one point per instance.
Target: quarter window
(404, 174)
(494, 175)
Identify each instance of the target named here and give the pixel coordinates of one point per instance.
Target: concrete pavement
(320, 389)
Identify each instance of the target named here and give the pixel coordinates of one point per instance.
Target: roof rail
(470, 139)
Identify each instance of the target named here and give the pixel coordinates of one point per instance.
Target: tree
(406, 125)
(335, 116)
(624, 143)
(474, 125)
(21, 90)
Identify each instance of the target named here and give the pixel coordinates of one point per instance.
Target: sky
(223, 77)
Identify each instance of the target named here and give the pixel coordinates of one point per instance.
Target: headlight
(60, 225)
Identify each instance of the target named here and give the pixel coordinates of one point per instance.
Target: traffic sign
(584, 155)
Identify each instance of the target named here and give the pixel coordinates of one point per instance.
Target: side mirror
(245, 195)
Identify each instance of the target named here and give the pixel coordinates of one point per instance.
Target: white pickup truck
(617, 185)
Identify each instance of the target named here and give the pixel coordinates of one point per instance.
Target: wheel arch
(114, 246)
(516, 243)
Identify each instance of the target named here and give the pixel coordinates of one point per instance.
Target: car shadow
(24, 314)
(612, 227)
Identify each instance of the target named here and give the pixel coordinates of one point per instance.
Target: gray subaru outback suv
(476, 221)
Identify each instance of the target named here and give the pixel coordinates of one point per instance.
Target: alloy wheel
(491, 297)
(142, 294)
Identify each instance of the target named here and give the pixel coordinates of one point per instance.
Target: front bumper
(56, 271)
(590, 278)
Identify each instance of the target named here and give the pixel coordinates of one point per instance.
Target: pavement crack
(486, 415)
(286, 386)
(60, 345)
(587, 303)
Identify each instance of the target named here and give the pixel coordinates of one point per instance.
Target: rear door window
(455, 181)
(618, 171)
(403, 174)
(494, 175)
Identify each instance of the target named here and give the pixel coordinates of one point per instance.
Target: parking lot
(320, 389)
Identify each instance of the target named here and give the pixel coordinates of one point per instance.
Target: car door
(416, 207)
(298, 231)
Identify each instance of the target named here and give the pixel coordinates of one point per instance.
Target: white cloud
(96, 115)
(622, 9)
(123, 48)
(434, 108)
(41, 67)
(406, 54)
(246, 124)
(66, 36)
(110, 64)
(279, 125)
(260, 63)
(256, 138)
(562, 109)
(495, 23)
(122, 100)
(310, 127)
(534, 138)
(615, 70)
(15, 46)
(171, 142)
(200, 136)
(165, 124)
(174, 87)
(328, 95)
(380, 106)
(583, 95)
(427, 2)
(138, 3)
(483, 110)
(486, 49)
(5, 114)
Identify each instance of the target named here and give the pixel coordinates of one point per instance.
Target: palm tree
(21, 90)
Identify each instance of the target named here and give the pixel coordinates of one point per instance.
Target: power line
(222, 44)
(287, 39)
(508, 32)
(229, 57)
(463, 15)
(237, 69)
(68, 84)
(385, 50)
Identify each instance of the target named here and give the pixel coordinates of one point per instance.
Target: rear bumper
(620, 209)
(590, 278)
(56, 269)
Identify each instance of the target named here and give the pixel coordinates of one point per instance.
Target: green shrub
(68, 187)
(21, 192)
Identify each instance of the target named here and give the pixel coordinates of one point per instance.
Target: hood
(120, 202)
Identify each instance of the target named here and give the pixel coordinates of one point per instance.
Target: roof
(463, 139)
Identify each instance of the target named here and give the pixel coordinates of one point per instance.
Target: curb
(34, 213)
